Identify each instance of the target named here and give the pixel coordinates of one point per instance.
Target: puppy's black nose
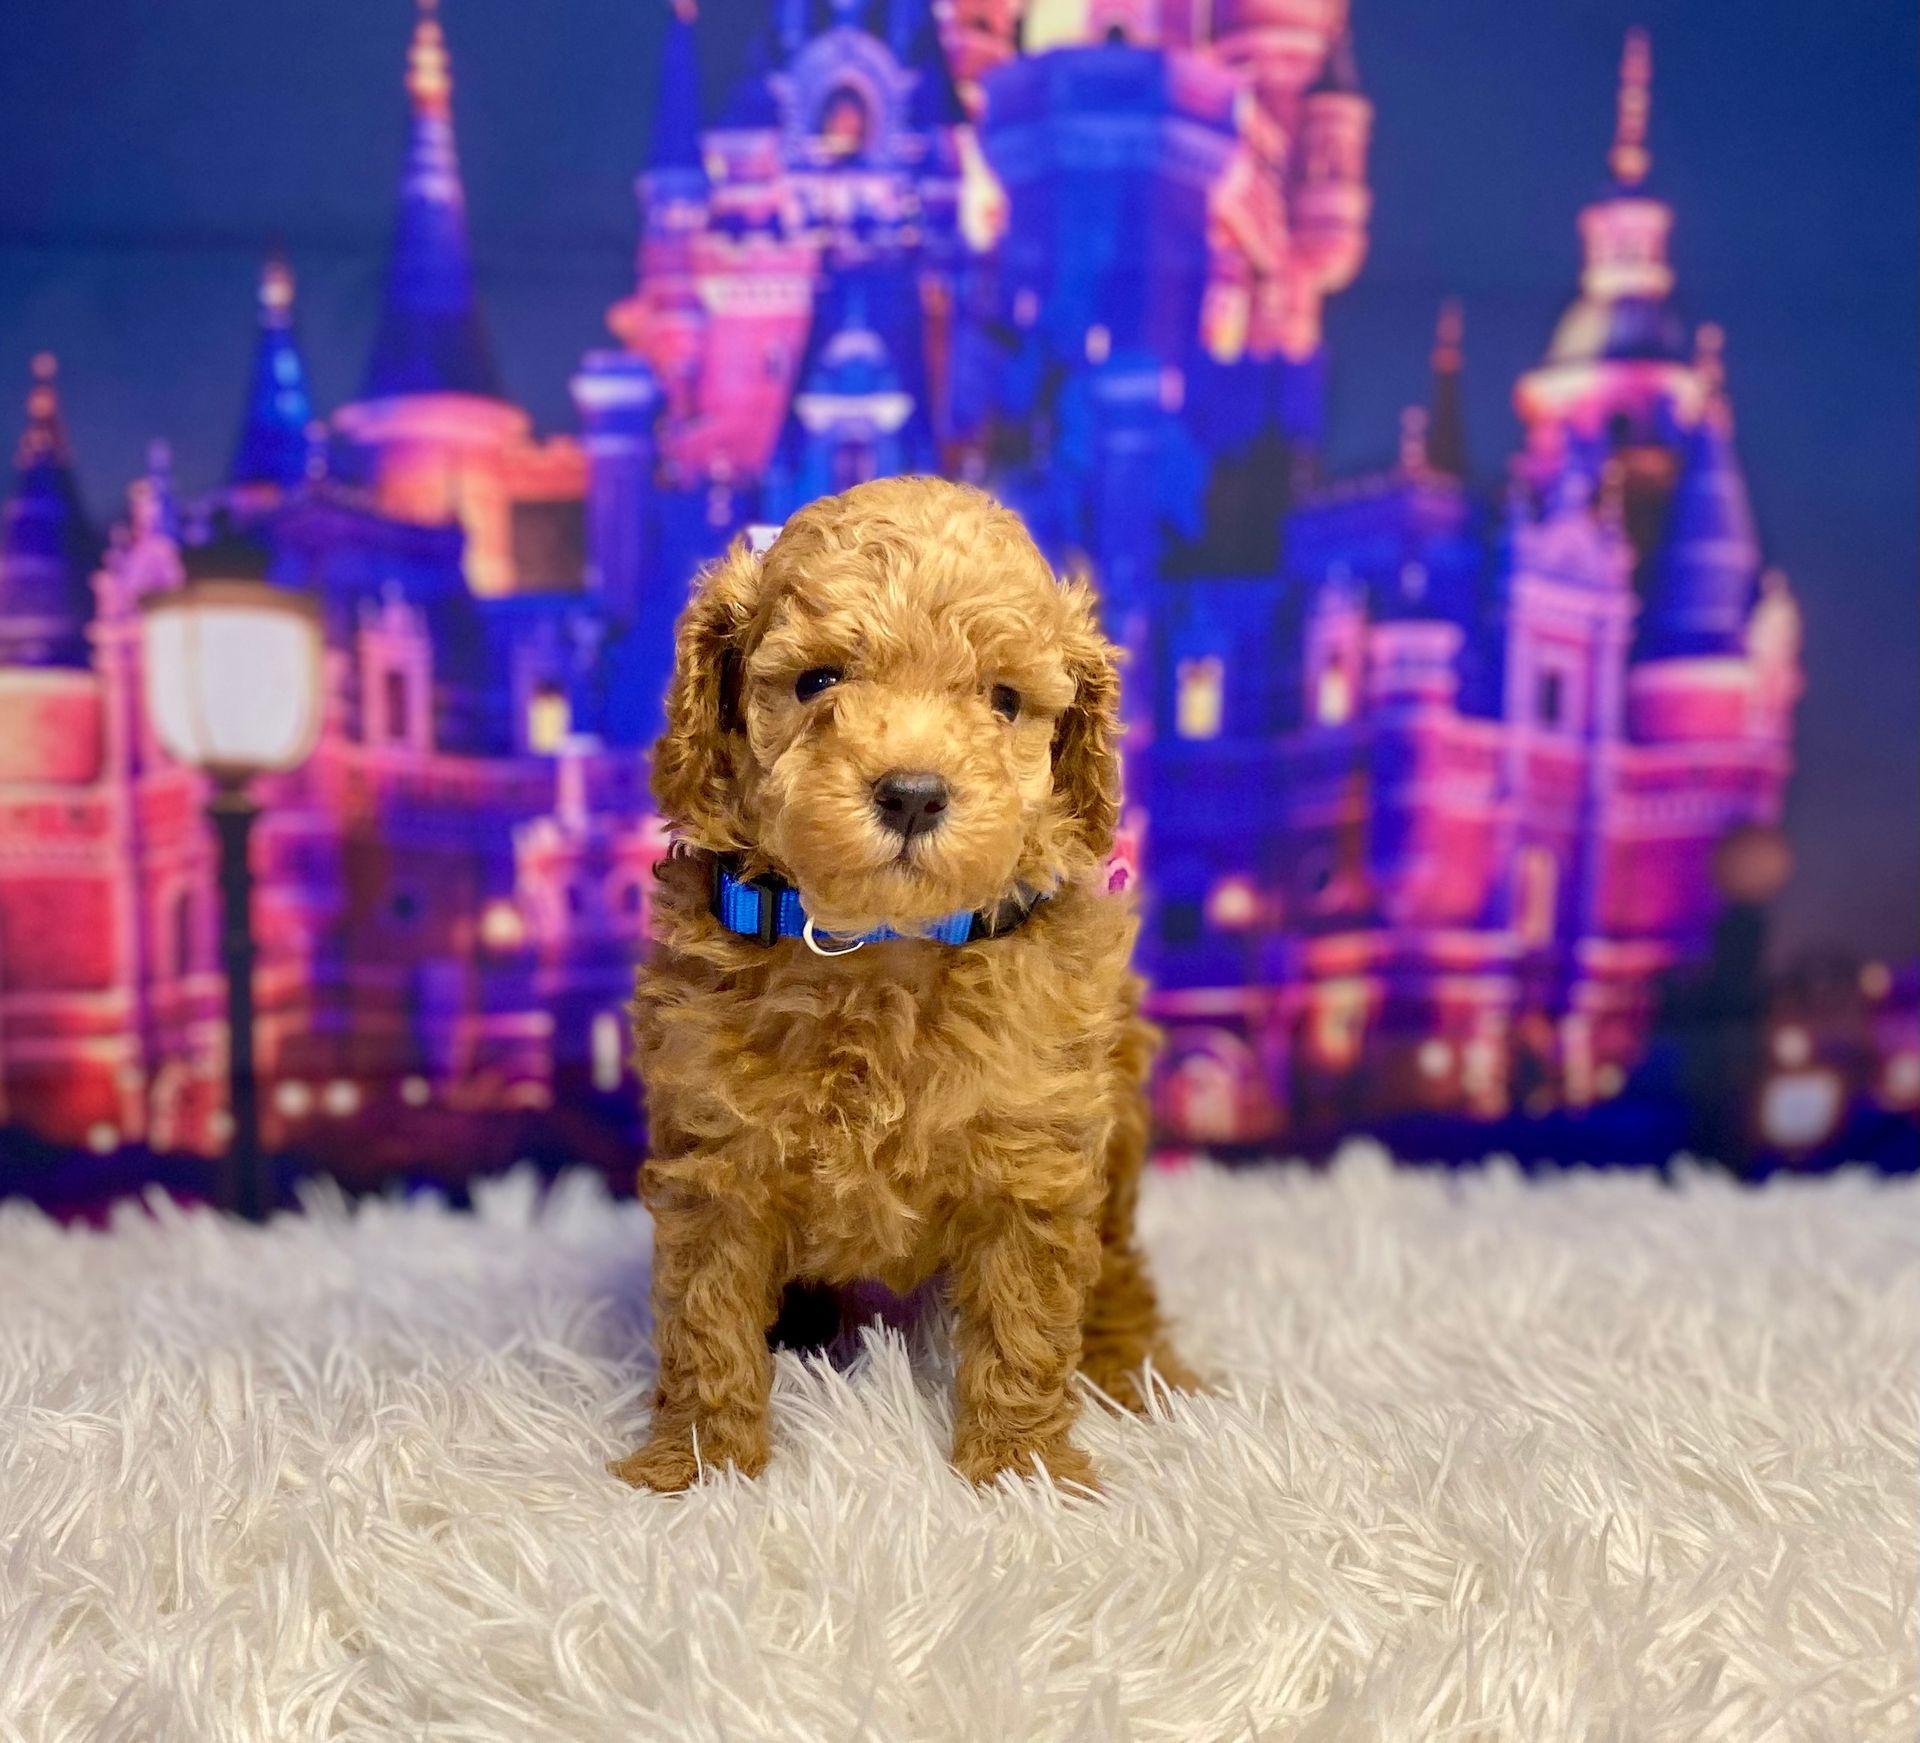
(910, 801)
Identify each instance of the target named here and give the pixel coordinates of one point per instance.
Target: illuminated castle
(1427, 787)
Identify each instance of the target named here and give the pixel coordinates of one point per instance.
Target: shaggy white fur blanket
(1596, 1459)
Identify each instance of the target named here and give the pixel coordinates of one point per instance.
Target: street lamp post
(233, 689)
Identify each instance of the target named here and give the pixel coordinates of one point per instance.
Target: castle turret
(673, 144)
(46, 546)
(853, 409)
(666, 318)
(1331, 201)
(1446, 410)
(272, 446)
(434, 438)
(1704, 574)
(431, 338)
(1279, 46)
(1618, 370)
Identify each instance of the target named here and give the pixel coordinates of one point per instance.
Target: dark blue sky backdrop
(146, 152)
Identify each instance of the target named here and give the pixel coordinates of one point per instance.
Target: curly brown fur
(913, 1108)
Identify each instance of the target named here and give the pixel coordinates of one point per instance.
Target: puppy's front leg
(715, 1293)
(1019, 1283)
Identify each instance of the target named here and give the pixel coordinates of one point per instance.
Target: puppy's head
(898, 706)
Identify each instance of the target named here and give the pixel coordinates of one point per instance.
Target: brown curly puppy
(898, 719)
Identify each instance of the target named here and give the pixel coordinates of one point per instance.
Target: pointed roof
(674, 142)
(1629, 160)
(751, 106)
(431, 337)
(272, 446)
(46, 545)
(1340, 74)
(854, 372)
(1709, 558)
(915, 40)
(1624, 312)
(1446, 415)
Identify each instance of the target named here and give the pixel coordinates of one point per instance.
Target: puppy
(888, 1029)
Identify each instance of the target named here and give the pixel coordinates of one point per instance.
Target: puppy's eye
(1006, 701)
(814, 680)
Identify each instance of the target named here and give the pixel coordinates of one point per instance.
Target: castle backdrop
(1437, 796)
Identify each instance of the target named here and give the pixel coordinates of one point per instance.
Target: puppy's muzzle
(910, 801)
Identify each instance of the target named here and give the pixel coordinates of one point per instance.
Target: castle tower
(431, 339)
(1279, 46)
(1709, 560)
(431, 425)
(666, 319)
(724, 273)
(272, 445)
(976, 38)
(46, 546)
(62, 886)
(1619, 377)
(852, 411)
(1446, 443)
(1328, 197)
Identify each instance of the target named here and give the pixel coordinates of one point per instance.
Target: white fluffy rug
(1595, 1459)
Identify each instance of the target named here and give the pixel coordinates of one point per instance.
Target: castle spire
(1446, 421)
(272, 444)
(1340, 75)
(46, 546)
(431, 337)
(793, 26)
(674, 144)
(1709, 559)
(1629, 159)
(1415, 461)
(914, 32)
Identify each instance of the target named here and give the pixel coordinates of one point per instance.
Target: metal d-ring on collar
(819, 949)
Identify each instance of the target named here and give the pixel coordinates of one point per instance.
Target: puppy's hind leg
(716, 1290)
(1124, 1330)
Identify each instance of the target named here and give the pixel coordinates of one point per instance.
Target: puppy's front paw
(981, 1459)
(669, 1463)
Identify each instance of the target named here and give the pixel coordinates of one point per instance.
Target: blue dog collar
(768, 908)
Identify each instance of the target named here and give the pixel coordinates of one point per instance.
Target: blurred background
(1492, 427)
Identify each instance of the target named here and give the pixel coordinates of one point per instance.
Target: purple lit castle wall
(1427, 788)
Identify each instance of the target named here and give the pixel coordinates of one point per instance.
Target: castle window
(1233, 904)
(630, 898)
(854, 462)
(1182, 922)
(1339, 1022)
(844, 124)
(1333, 694)
(549, 719)
(1550, 698)
(182, 941)
(1536, 896)
(398, 705)
(1315, 875)
(501, 927)
(406, 907)
(1200, 697)
(606, 1043)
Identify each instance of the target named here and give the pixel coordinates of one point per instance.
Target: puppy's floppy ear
(1086, 742)
(694, 764)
